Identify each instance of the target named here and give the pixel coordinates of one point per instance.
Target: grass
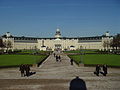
(112, 60)
(11, 60)
(82, 51)
(33, 51)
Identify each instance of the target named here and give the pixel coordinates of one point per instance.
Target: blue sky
(40, 18)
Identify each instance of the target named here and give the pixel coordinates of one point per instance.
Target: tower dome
(8, 34)
(107, 34)
(58, 34)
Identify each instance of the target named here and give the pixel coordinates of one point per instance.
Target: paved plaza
(52, 75)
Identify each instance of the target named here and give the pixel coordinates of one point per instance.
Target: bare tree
(115, 44)
(106, 44)
(7, 44)
(116, 41)
(1, 43)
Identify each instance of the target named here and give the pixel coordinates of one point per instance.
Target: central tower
(57, 42)
(57, 34)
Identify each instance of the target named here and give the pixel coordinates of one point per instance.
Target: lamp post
(81, 55)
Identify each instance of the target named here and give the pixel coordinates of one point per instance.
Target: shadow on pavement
(77, 84)
(32, 73)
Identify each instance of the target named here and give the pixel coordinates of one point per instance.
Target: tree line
(5, 44)
(113, 44)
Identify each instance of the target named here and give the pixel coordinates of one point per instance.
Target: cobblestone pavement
(52, 75)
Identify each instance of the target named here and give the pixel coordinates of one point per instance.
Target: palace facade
(57, 42)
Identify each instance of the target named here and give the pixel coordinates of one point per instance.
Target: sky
(74, 18)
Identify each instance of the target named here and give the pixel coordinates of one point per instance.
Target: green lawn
(33, 51)
(112, 60)
(82, 51)
(11, 60)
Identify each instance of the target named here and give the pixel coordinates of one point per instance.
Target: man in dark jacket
(59, 58)
(22, 69)
(27, 69)
(98, 70)
(56, 58)
(71, 60)
(54, 54)
(104, 70)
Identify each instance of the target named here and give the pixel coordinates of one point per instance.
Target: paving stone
(52, 75)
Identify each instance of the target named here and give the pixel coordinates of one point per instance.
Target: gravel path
(52, 75)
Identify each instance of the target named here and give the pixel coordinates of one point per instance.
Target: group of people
(58, 57)
(102, 71)
(25, 70)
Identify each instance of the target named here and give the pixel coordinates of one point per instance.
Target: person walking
(22, 69)
(71, 60)
(97, 70)
(59, 58)
(56, 58)
(27, 69)
(54, 54)
(105, 70)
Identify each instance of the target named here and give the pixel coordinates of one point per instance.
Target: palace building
(57, 42)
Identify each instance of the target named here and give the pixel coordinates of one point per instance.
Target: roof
(5, 36)
(81, 38)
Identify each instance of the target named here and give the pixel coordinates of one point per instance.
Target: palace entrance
(58, 47)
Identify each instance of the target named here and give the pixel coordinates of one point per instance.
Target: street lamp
(81, 55)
